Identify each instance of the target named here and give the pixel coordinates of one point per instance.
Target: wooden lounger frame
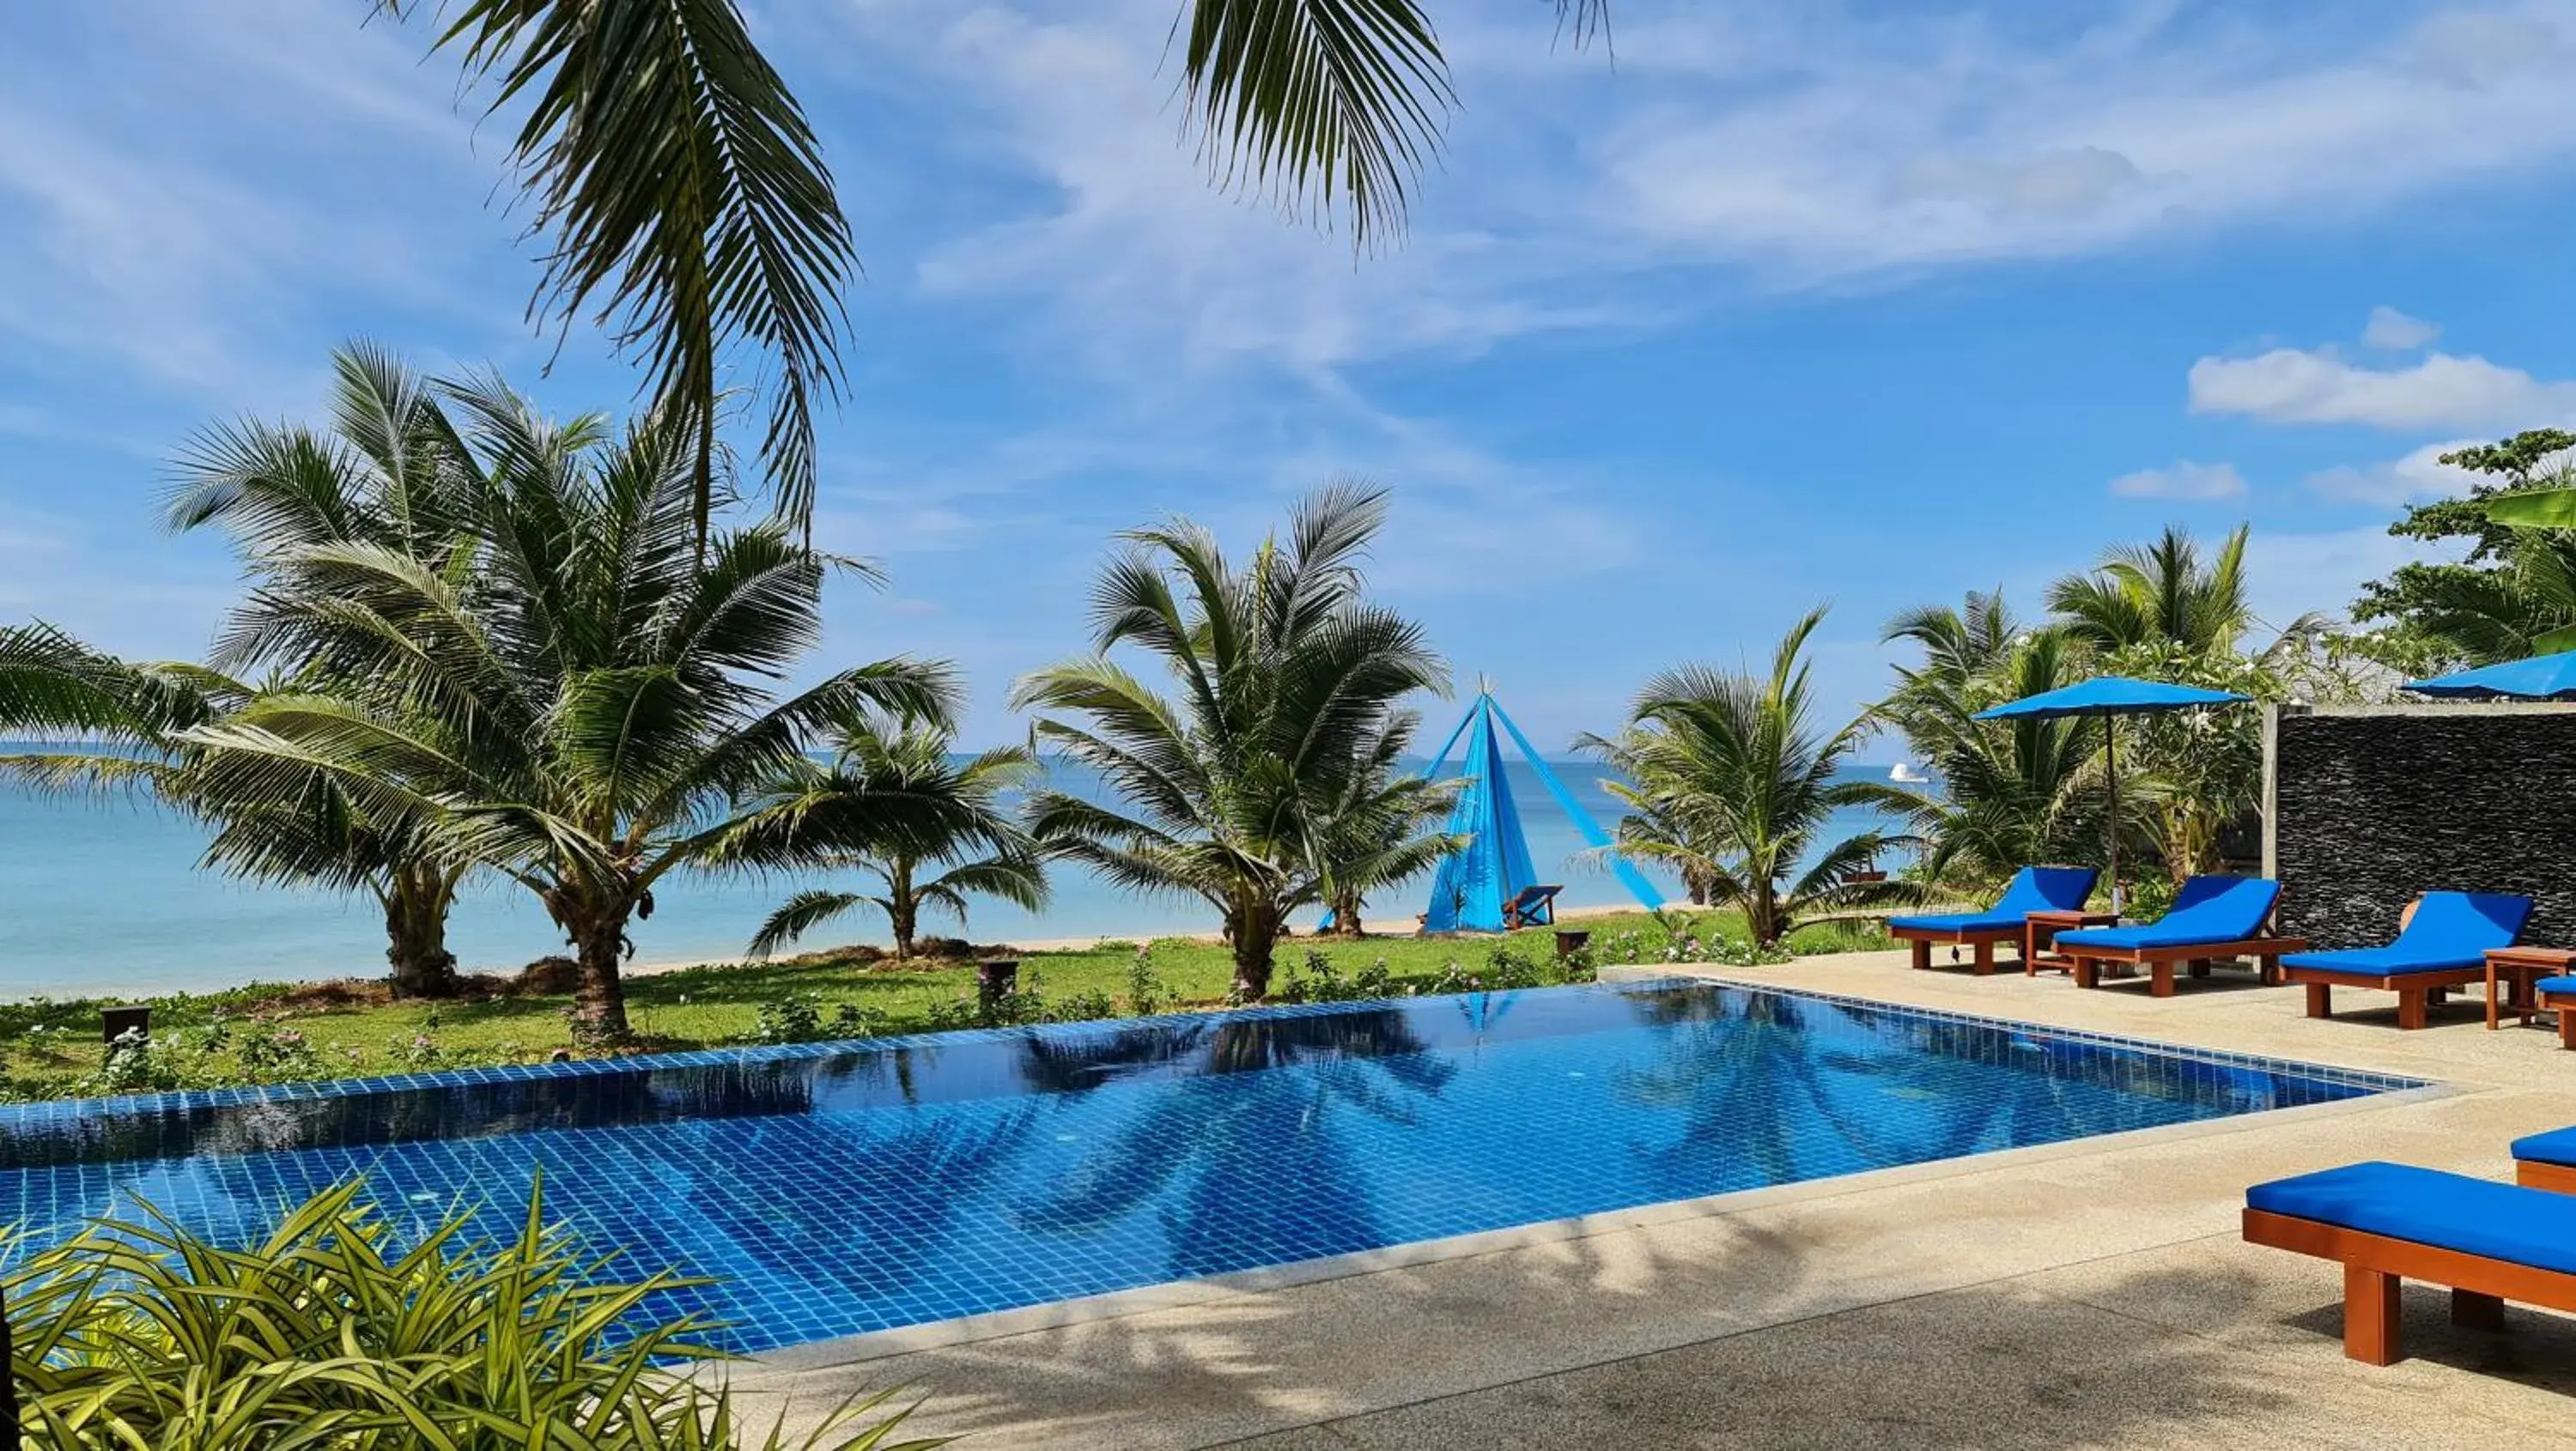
(2556, 1178)
(2159, 961)
(1983, 939)
(2375, 1267)
(1534, 907)
(2416, 991)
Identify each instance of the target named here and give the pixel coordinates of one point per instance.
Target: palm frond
(686, 200)
(1320, 102)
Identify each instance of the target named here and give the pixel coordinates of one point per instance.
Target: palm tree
(1375, 835)
(1289, 682)
(2015, 791)
(985, 855)
(1740, 784)
(585, 689)
(2159, 594)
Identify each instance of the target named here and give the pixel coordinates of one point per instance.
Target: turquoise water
(100, 898)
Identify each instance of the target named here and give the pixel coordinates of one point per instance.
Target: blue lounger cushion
(2032, 889)
(2210, 909)
(2450, 932)
(2426, 1206)
(2558, 1146)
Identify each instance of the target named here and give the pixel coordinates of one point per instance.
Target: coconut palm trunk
(416, 901)
(903, 908)
(1253, 928)
(594, 923)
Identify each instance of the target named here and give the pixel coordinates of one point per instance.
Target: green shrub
(332, 1333)
(277, 1055)
(794, 1018)
(1146, 994)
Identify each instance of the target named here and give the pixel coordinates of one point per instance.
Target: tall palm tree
(1735, 768)
(1289, 682)
(985, 853)
(586, 690)
(2159, 594)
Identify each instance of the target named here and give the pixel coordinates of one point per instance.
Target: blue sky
(1866, 303)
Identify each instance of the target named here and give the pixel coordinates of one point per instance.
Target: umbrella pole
(2111, 763)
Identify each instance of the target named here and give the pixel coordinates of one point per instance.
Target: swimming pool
(844, 1188)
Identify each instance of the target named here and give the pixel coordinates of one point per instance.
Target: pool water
(836, 1189)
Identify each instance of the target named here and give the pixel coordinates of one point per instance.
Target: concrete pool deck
(2087, 1294)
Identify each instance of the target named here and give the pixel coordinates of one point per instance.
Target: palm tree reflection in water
(1248, 1160)
(1771, 1089)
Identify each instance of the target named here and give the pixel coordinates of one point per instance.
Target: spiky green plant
(336, 1332)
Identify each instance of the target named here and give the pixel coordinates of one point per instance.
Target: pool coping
(870, 1345)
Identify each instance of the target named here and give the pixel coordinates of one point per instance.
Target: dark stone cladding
(2370, 809)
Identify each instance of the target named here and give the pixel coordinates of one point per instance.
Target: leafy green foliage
(2161, 593)
(335, 1332)
(54, 1050)
(2515, 590)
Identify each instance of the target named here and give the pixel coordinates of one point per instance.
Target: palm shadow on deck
(1737, 1341)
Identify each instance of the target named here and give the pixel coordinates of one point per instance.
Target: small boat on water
(1904, 774)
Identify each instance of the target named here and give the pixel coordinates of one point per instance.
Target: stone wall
(2369, 807)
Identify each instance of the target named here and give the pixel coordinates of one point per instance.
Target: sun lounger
(1534, 907)
(2546, 1161)
(2387, 1223)
(2211, 917)
(2442, 944)
(2032, 889)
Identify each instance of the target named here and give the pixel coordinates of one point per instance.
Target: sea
(104, 897)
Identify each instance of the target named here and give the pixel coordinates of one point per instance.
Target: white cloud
(1783, 150)
(2395, 331)
(2419, 475)
(2292, 385)
(217, 255)
(1826, 146)
(2182, 480)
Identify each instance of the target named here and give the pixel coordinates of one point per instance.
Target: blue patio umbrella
(2110, 697)
(2542, 677)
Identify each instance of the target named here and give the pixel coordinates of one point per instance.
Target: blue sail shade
(1472, 886)
(2110, 695)
(2542, 677)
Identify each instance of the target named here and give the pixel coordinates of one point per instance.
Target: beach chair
(2442, 943)
(1534, 907)
(2546, 1161)
(2211, 917)
(2388, 1223)
(2032, 889)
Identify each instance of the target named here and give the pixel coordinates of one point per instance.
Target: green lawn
(266, 1034)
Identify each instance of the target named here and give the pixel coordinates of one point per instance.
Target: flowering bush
(278, 1055)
